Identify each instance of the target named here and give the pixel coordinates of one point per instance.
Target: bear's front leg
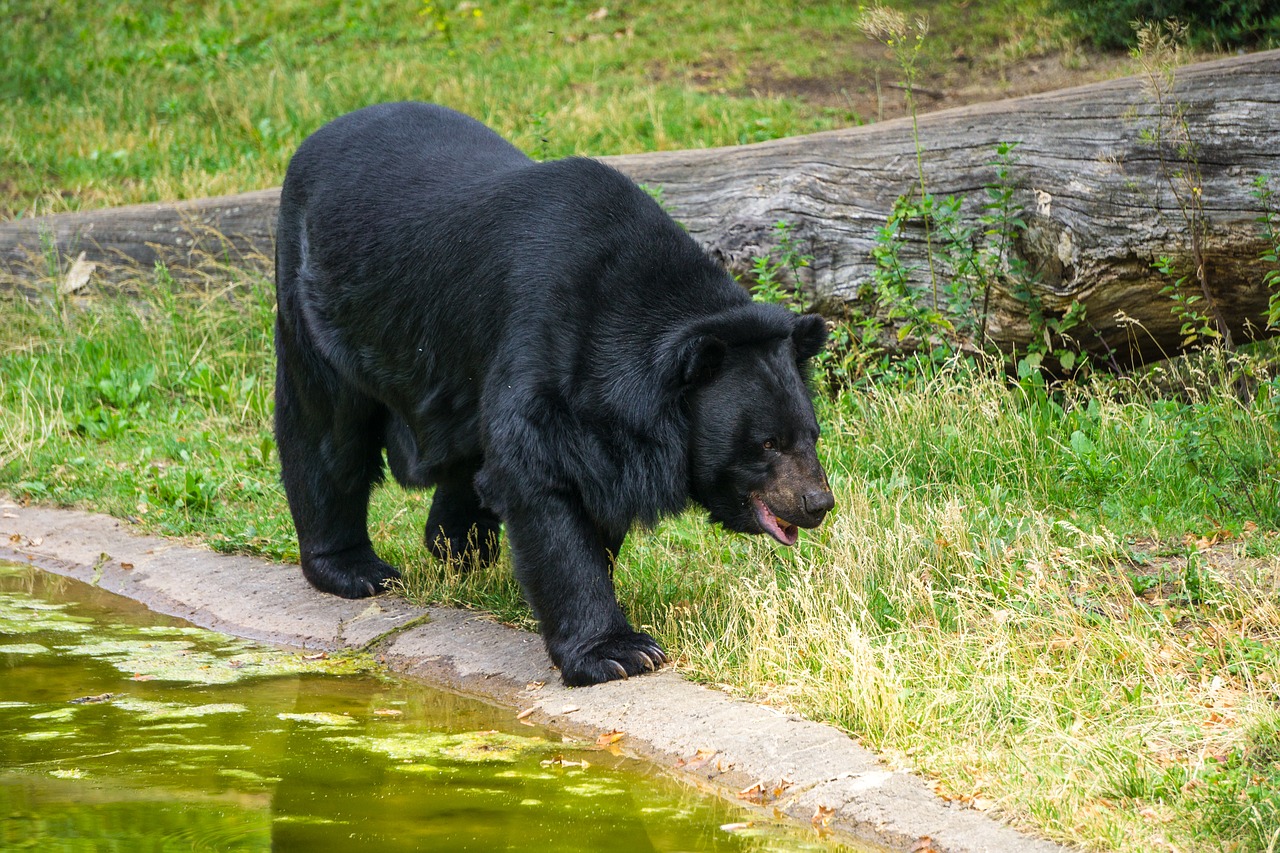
(563, 562)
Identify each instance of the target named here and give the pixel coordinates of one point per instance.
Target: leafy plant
(1269, 220)
(190, 489)
(1097, 471)
(973, 260)
(1197, 326)
(905, 39)
(103, 424)
(124, 388)
(776, 274)
(1159, 50)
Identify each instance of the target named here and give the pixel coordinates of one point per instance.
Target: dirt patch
(1159, 575)
(879, 93)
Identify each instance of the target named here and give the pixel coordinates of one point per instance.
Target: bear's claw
(613, 658)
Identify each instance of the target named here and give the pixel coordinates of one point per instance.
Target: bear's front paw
(614, 657)
(347, 575)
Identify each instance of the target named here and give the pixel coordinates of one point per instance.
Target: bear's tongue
(783, 531)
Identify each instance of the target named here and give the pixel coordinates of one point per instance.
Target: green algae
(320, 718)
(24, 649)
(19, 615)
(191, 747)
(485, 746)
(149, 709)
(121, 730)
(233, 661)
(56, 714)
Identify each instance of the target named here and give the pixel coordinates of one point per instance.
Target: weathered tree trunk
(234, 230)
(1107, 179)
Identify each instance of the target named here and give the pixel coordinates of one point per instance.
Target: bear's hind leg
(330, 443)
(459, 529)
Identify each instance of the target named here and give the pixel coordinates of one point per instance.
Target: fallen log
(1103, 178)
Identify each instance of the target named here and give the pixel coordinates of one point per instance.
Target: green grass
(104, 103)
(1064, 609)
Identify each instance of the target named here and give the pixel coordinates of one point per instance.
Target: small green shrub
(1230, 23)
(776, 274)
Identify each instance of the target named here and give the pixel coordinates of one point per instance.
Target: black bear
(541, 343)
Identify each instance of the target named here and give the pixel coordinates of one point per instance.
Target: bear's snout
(798, 494)
(817, 504)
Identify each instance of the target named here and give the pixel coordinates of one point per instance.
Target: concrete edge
(749, 753)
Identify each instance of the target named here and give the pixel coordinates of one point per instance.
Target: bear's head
(753, 461)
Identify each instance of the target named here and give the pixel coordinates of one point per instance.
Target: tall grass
(1064, 607)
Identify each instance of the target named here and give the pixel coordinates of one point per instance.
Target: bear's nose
(818, 503)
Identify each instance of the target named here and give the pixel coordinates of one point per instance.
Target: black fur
(540, 342)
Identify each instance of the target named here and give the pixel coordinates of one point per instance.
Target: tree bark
(1108, 178)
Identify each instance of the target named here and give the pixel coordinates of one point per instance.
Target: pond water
(122, 730)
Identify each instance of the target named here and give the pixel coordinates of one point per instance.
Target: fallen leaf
(126, 566)
(599, 14)
(568, 709)
(924, 844)
(387, 712)
(822, 815)
(701, 757)
(15, 538)
(609, 738)
(526, 712)
(77, 276)
(138, 676)
(317, 656)
(535, 685)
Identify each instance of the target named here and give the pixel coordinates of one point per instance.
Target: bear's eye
(770, 444)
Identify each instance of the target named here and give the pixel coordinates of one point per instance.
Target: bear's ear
(809, 335)
(701, 359)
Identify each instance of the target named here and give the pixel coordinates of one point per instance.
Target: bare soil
(880, 93)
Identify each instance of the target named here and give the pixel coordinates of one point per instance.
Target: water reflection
(123, 730)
